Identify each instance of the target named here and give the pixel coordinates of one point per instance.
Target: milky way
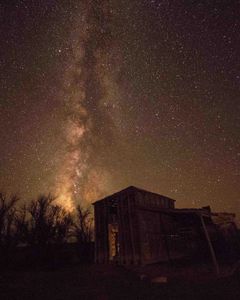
(99, 95)
(84, 89)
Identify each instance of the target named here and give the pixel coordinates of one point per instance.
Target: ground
(108, 282)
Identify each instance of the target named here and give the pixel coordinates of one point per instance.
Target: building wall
(143, 232)
(152, 238)
(146, 199)
(101, 233)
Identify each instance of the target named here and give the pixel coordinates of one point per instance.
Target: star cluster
(99, 95)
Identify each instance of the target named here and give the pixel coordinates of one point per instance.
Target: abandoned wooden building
(135, 226)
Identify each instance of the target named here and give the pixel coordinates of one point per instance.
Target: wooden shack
(135, 226)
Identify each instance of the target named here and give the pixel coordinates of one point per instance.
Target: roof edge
(132, 188)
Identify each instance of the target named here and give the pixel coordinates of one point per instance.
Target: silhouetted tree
(21, 224)
(43, 227)
(83, 232)
(46, 223)
(83, 225)
(8, 236)
(42, 224)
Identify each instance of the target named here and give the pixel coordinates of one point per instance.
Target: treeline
(37, 233)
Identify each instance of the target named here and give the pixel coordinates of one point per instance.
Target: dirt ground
(107, 282)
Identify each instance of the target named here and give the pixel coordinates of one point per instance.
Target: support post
(212, 252)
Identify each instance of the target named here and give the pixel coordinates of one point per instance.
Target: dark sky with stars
(99, 95)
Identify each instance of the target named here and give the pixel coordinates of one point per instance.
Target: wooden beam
(212, 252)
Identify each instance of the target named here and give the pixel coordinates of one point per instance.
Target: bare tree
(83, 225)
(83, 232)
(62, 223)
(41, 225)
(21, 224)
(8, 237)
(46, 223)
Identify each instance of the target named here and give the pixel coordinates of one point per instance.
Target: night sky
(99, 95)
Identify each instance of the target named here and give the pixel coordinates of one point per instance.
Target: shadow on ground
(107, 282)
